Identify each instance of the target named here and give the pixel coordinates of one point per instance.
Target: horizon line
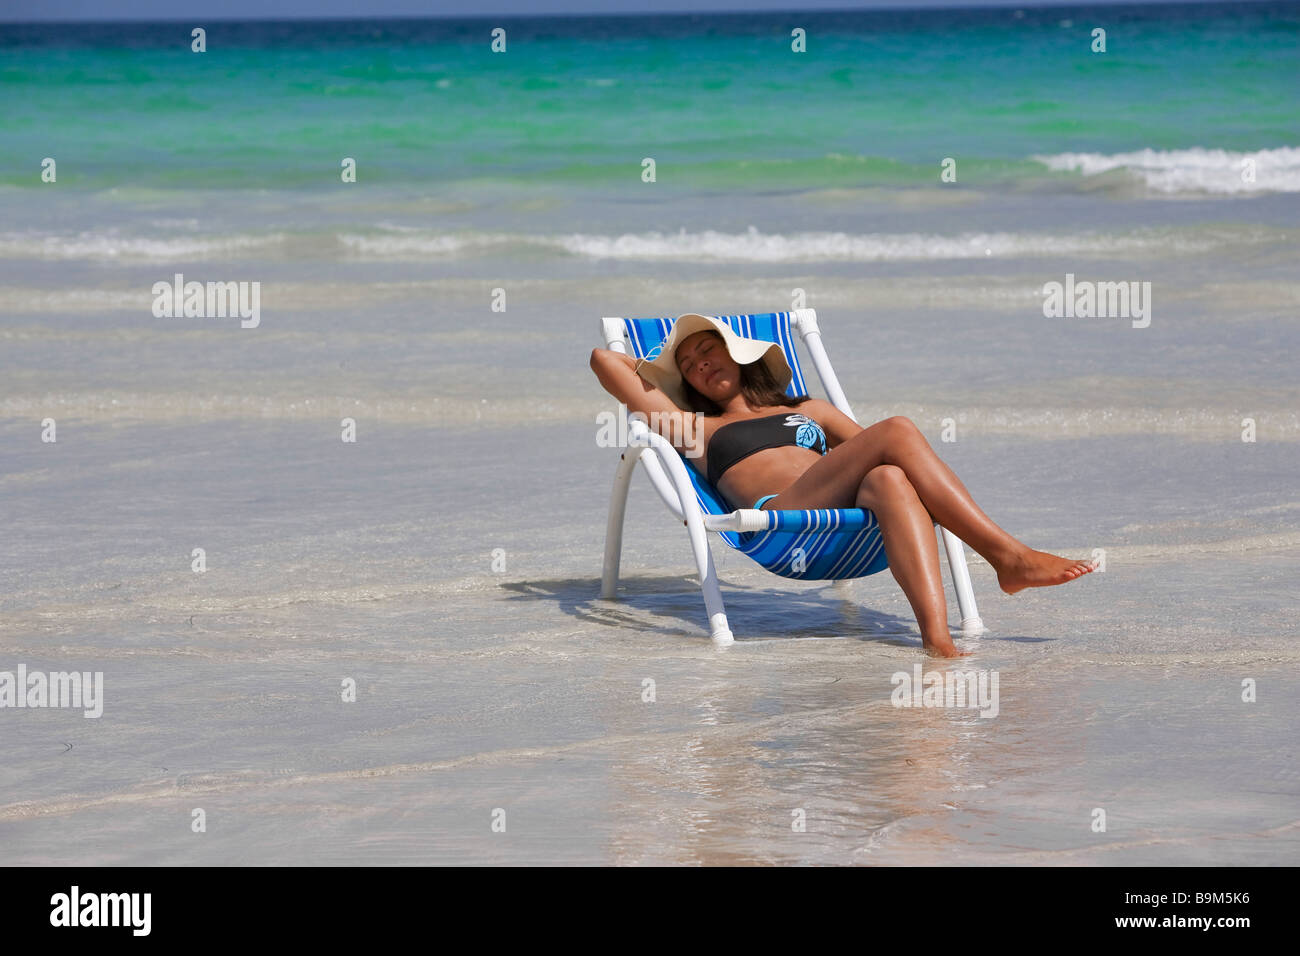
(628, 14)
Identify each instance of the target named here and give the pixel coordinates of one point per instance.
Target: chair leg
(614, 524)
(719, 630)
(971, 623)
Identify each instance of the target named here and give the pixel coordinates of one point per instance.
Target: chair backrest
(647, 336)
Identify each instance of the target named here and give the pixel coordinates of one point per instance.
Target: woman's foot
(1038, 569)
(942, 646)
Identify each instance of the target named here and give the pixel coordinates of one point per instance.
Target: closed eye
(689, 363)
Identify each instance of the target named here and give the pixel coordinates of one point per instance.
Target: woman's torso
(748, 460)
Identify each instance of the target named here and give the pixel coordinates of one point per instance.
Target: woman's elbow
(599, 365)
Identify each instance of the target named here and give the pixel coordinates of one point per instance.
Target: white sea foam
(407, 243)
(418, 244)
(111, 244)
(754, 245)
(1179, 171)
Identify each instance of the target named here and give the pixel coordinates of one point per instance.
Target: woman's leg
(944, 496)
(908, 533)
(835, 479)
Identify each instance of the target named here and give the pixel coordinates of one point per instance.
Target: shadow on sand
(672, 605)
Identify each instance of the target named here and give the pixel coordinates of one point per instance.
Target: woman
(756, 444)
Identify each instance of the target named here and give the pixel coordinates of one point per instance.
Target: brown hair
(756, 384)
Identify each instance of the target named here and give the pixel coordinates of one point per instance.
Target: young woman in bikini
(817, 457)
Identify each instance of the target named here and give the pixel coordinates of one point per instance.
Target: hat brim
(661, 370)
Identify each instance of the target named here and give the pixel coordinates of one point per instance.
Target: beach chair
(820, 545)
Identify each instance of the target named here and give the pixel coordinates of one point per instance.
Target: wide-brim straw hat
(660, 370)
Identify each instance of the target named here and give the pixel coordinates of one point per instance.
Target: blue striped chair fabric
(835, 543)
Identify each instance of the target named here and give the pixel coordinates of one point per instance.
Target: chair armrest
(815, 521)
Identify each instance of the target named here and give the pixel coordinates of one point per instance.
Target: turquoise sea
(448, 560)
(721, 102)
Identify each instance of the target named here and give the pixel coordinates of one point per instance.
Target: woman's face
(705, 363)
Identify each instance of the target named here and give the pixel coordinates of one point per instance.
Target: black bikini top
(737, 440)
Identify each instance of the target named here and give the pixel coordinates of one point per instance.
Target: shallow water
(520, 689)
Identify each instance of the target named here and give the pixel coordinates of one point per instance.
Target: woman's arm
(615, 371)
(611, 355)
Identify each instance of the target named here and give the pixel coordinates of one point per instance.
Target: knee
(885, 488)
(904, 426)
(884, 480)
